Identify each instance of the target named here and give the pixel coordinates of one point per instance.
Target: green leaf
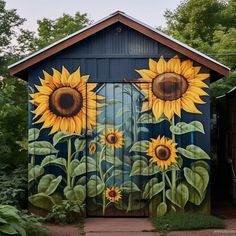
(48, 184)
(35, 172)
(198, 178)
(140, 146)
(161, 209)
(138, 167)
(179, 196)
(73, 165)
(80, 144)
(151, 169)
(148, 186)
(7, 229)
(195, 197)
(41, 200)
(113, 160)
(41, 148)
(147, 118)
(94, 186)
(193, 152)
(122, 111)
(200, 163)
(129, 187)
(52, 159)
(61, 137)
(83, 168)
(183, 128)
(78, 193)
(33, 134)
(155, 189)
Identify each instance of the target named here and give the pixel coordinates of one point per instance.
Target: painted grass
(186, 221)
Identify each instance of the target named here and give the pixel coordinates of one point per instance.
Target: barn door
(114, 183)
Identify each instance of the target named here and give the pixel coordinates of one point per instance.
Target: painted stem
(100, 164)
(135, 120)
(68, 163)
(104, 204)
(164, 189)
(33, 160)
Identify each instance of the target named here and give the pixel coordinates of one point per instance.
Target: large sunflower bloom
(113, 194)
(112, 138)
(162, 152)
(64, 101)
(175, 85)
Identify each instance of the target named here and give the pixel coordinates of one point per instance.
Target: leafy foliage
(13, 185)
(67, 212)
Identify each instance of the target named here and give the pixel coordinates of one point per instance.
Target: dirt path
(131, 227)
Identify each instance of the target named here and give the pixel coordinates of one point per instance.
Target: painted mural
(117, 148)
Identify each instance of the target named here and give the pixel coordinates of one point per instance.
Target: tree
(50, 31)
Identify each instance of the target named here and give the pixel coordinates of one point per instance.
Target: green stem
(135, 121)
(33, 160)
(168, 180)
(164, 189)
(68, 163)
(100, 163)
(104, 204)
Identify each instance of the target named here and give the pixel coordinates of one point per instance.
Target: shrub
(10, 222)
(66, 213)
(13, 185)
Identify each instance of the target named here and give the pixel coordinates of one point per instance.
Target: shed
(119, 121)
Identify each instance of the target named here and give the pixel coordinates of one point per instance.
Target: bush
(13, 185)
(10, 222)
(66, 213)
(186, 221)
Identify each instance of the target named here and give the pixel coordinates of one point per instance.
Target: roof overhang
(19, 68)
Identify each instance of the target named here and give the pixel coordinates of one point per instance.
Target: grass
(186, 221)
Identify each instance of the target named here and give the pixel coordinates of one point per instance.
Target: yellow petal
(153, 65)
(64, 125)
(56, 125)
(158, 108)
(167, 110)
(185, 65)
(202, 76)
(173, 65)
(47, 77)
(56, 77)
(44, 89)
(147, 74)
(189, 106)
(64, 76)
(74, 78)
(161, 65)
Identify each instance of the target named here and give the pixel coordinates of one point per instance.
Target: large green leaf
(161, 209)
(48, 184)
(140, 146)
(183, 128)
(80, 144)
(78, 193)
(143, 129)
(148, 186)
(33, 134)
(194, 196)
(94, 186)
(154, 190)
(83, 168)
(7, 229)
(61, 137)
(198, 178)
(113, 160)
(42, 200)
(193, 152)
(52, 159)
(41, 148)
(200, 163)
(138, 167)
(73, 165)
(35, 172)
(179, 196)
(151, 169)
(129, 187)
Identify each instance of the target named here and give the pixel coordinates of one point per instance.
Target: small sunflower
(113, 194)
(65, 101)
(112, 137)
(175, 85)
(162, 152)
(92, 148)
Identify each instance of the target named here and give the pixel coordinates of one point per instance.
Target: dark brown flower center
(66, 102)
(112, 193)
(111, 138)
(169, 86)
(162, 152)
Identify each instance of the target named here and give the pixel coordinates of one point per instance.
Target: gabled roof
(18, 68)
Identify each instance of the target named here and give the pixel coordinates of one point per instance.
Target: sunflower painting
(162, 151)
(113, 194)
(175, 85)
(112, 138)
(65, 102)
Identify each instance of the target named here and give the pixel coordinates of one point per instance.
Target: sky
(148, 11)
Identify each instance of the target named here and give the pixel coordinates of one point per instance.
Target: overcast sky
(148, 11)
